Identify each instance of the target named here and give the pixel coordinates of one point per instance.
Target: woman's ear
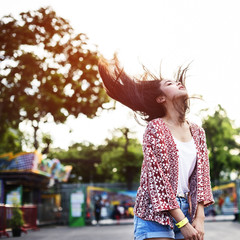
(160, 99)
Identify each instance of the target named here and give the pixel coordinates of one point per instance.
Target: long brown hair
(139, 94)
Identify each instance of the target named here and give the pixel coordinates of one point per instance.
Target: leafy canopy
(119, 159)
(46, 70)
(223, 147)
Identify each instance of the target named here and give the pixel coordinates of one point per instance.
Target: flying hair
(139, 94)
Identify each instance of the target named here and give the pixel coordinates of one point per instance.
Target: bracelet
(182, 223)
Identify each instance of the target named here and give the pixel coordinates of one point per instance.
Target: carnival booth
(23, 179)
(227, 200)
(115, 204)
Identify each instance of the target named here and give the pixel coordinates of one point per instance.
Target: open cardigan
(159, 174)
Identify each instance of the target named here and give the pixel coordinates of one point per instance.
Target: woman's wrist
(188, 225)
(177, 214)
(182, 223)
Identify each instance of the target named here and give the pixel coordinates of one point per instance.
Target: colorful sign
(32, 161)
(14, 196)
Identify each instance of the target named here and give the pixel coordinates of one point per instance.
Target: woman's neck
(173, 119)
(175, 113)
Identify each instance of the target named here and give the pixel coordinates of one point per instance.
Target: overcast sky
(175, 32)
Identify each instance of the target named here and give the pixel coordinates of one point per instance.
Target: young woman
(175, 184)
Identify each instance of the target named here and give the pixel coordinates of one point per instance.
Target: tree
(221, 142)
(11, 141)
(121, 159)
(46, 70)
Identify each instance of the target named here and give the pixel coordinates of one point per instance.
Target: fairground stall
(25, 179)
(227, 200)
(114, 204)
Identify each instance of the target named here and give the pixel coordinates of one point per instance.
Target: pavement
(214, 230)
(226, 230)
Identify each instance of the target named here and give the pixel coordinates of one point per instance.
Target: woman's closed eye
(169, 83)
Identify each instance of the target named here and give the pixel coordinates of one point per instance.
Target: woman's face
(173, 89)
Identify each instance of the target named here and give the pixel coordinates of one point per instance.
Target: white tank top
(187, 160)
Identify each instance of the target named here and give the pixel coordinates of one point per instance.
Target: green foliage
(17, 217)
(118, 160)
(83, 157)
(10, 141)
(121, 159)
(221, 141)
(46, 140)
(46, 70)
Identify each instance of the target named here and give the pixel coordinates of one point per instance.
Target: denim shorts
(144, 229)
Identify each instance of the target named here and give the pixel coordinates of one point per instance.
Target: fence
(29, 217)
(3, 224)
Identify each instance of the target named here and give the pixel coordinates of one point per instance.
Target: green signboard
(77, 209)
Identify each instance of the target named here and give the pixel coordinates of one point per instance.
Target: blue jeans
(144, 229)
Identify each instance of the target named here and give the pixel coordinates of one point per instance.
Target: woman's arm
(198, 222)
(188, 231)
(207, 197)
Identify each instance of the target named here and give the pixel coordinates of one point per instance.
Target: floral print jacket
(159, 175)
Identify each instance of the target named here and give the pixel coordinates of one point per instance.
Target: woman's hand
(198, 224)
(190, 233)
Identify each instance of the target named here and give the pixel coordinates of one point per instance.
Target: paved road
(222, 230)
(226, 230)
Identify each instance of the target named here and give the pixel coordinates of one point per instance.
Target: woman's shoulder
(159, 123)
(155, 126)
(155, 131)
(196, 128)
(156, 122)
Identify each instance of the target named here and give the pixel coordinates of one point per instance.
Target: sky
(153, 32)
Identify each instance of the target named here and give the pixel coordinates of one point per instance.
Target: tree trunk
(130, 175)
(35, 143)
(129, 169)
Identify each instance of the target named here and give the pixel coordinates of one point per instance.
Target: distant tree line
(119, 159)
